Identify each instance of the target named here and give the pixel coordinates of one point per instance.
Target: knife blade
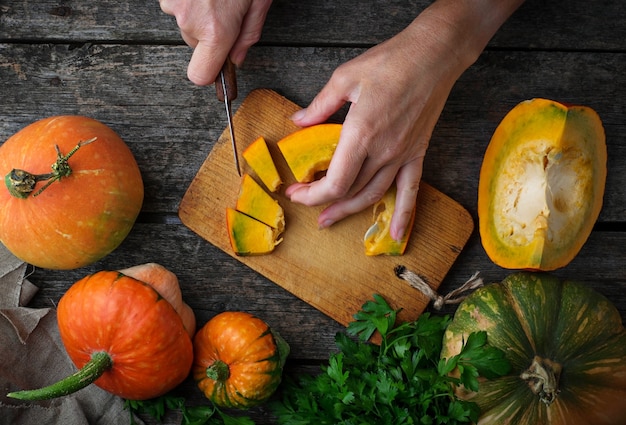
(226, 91)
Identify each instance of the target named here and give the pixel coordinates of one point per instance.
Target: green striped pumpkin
(567, 348)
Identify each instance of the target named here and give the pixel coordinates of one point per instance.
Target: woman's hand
(217, 29)
(396, 91)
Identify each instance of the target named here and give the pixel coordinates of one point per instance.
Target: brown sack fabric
(32, 356)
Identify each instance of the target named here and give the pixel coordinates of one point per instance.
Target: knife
(226, 90)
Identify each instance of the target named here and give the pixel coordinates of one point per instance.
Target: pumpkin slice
(249, 236)
(377, 239)
(541, 185)
(254, 201)
(258, 157)
(309, 150)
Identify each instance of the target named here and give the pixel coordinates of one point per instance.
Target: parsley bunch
(401, 381)
(195, 415)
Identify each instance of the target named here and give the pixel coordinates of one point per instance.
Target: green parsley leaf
(401, 381)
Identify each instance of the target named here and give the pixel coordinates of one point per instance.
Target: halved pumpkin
(541, 185)
(310, 149)
(258, 157)
(249, 236)
(377, 239)
(254, 201)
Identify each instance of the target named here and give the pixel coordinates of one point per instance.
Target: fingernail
(325, 224)
(298, 115)
(398, 235)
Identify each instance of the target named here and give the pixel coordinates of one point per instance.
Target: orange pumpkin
(72, 192)
(238, 360)
(166, 284)
(125, 337)
(541, 185)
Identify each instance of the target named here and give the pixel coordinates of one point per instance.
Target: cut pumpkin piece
(541, 185)
(258, 157)
(254, 201)
(377, 239)
(249, 236)
(310, 149)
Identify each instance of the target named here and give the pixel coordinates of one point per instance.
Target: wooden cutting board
(326, 268)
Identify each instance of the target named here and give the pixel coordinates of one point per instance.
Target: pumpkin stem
(21, 183)
(218, 371)
(543, 379)
(99, 363)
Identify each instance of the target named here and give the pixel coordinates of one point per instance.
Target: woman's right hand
(217, 29)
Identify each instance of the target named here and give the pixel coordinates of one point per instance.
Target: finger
(407, 183)
(167, 6)
(337, 91)
(367, 197)
(206, 61)
(343, 170)
(251, 29)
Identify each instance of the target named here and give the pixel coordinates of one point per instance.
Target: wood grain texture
(326, 268)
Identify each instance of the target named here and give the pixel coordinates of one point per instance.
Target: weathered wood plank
(142, 92)
(538, 24)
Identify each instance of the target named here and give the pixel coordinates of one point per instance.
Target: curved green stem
(21, 183)
(99, 363)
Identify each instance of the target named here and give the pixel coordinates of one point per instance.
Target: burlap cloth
(32, 356)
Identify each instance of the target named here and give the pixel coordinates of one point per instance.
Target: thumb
(205, 63)
(328, 101)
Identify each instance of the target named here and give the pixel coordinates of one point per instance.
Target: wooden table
(123, 62)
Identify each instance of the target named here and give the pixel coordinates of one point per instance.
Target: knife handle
(230, 80)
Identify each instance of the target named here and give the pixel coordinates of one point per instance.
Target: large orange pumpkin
(72, 192)
(123, 335)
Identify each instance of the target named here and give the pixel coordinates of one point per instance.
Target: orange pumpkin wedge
(310, 149)
(258, 157)
(249, 236)
(254, 201)
(377, 239)
(541, 185)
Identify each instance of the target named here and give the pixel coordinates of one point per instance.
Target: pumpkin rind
(253, 355)
(249, 236)
(541, 185)
(310, 149)
(145, 337)
(258, 157)
(80, 218)
(254, 201)
(529, 315)
(377, 239)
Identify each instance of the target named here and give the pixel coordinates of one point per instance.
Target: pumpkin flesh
(249, 236)
(537, 319)
(258, 157)
(541, 185)
(377, 239)
(80, 218)
(310, 149)
(254, 201)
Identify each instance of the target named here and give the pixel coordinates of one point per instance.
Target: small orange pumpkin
(72, 192)
(238, 360)
(123, 335)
